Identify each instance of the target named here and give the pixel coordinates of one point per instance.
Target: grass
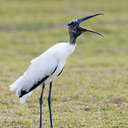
(92, 92)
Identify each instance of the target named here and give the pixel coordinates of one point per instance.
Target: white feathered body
(49, 64)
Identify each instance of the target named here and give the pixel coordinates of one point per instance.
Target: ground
(92, 91)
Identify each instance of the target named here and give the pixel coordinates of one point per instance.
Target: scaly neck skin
(72, 38)
(70, 47)
(72, 43)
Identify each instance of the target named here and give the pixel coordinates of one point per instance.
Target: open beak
(86, 30)
(86, 18)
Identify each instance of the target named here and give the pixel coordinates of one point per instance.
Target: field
(92, 91)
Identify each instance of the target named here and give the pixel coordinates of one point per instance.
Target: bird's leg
(41, 102)
(49, 104)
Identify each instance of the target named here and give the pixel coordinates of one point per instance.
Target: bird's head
(75, 30)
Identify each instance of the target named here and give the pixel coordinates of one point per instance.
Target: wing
(39, 70)
(33, 60)
(42, 67)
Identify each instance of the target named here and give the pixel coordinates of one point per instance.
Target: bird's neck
(70, 48)
(72, 39)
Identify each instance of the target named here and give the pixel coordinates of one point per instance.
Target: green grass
(92, 92)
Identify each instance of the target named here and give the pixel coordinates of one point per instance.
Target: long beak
(86, 30)
(88, 17)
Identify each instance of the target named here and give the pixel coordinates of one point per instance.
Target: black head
(75, 30)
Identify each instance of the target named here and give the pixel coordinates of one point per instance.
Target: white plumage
(49, 65)
(41, 67)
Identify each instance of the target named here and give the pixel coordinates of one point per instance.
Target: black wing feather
(23, 92)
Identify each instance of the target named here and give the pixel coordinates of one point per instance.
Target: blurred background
(92, 92)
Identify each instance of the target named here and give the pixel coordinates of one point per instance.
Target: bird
(49, 65)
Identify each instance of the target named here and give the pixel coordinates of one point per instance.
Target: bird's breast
(63, 52)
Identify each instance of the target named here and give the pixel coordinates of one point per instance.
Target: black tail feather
(23, 92)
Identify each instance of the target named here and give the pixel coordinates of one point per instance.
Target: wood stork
(48, 66)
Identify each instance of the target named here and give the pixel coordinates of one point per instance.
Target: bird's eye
(71, 23)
